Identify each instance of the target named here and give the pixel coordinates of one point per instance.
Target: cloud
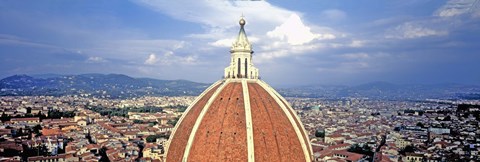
(295, 32)
(449, 18)
(13, 40)
(199, 33)
(279, 32)
(275, 32)
(219, 30)
(218, 13)
(357, 43)
(358, 63)
(292, 38)
(95, 59)
(169, 58)
(457, 8)
(476, 14)
(152, 59)
(223, 43)
(355, 56)
(411, 30)
(134, 50)
(229, 41)
(347, 67)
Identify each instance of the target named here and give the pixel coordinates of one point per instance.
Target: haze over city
(295, 43)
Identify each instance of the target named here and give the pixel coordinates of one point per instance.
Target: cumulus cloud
(219, 30)
(127, 47)
(282, 32)
(295, 32)
(291, 38)
(152, 59)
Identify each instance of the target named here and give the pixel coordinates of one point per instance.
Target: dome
(239, 118)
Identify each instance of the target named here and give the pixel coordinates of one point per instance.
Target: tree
(136, 121)
(364, 149)
(4, 117)
(409, 148)
(151, 138)
(41, 116)
(181, 108)
(56, 114)
(103, 154)
(36, 129)
(420, 124)
(320, 133)
(172, 121)
(447, 118)
(151, 124)
(420, 113)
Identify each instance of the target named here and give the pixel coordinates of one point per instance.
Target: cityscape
(214, 80)
(73, 128)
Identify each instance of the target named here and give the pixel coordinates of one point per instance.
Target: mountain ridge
(386, 90)
(123, 86)
(98, 85)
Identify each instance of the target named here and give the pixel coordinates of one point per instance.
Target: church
(239, 118)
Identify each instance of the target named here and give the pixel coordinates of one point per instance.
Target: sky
(310, 42)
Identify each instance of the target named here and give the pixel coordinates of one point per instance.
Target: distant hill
(122, 86)
(389, 91)
(98, 85)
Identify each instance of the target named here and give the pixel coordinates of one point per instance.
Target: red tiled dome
(238, 120)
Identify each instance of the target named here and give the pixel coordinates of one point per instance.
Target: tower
(239, 118)
(241, 65)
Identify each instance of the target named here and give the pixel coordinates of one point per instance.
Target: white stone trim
(248, 123)
(290, 118)
(298, 119)
(199, 120)
(188, 110)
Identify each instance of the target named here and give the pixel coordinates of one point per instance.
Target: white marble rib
(199, 120)
(248, 119)
(290, 118)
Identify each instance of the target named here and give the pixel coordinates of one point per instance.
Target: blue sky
(295, 42)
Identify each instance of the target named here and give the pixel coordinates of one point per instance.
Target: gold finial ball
(242, 22)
